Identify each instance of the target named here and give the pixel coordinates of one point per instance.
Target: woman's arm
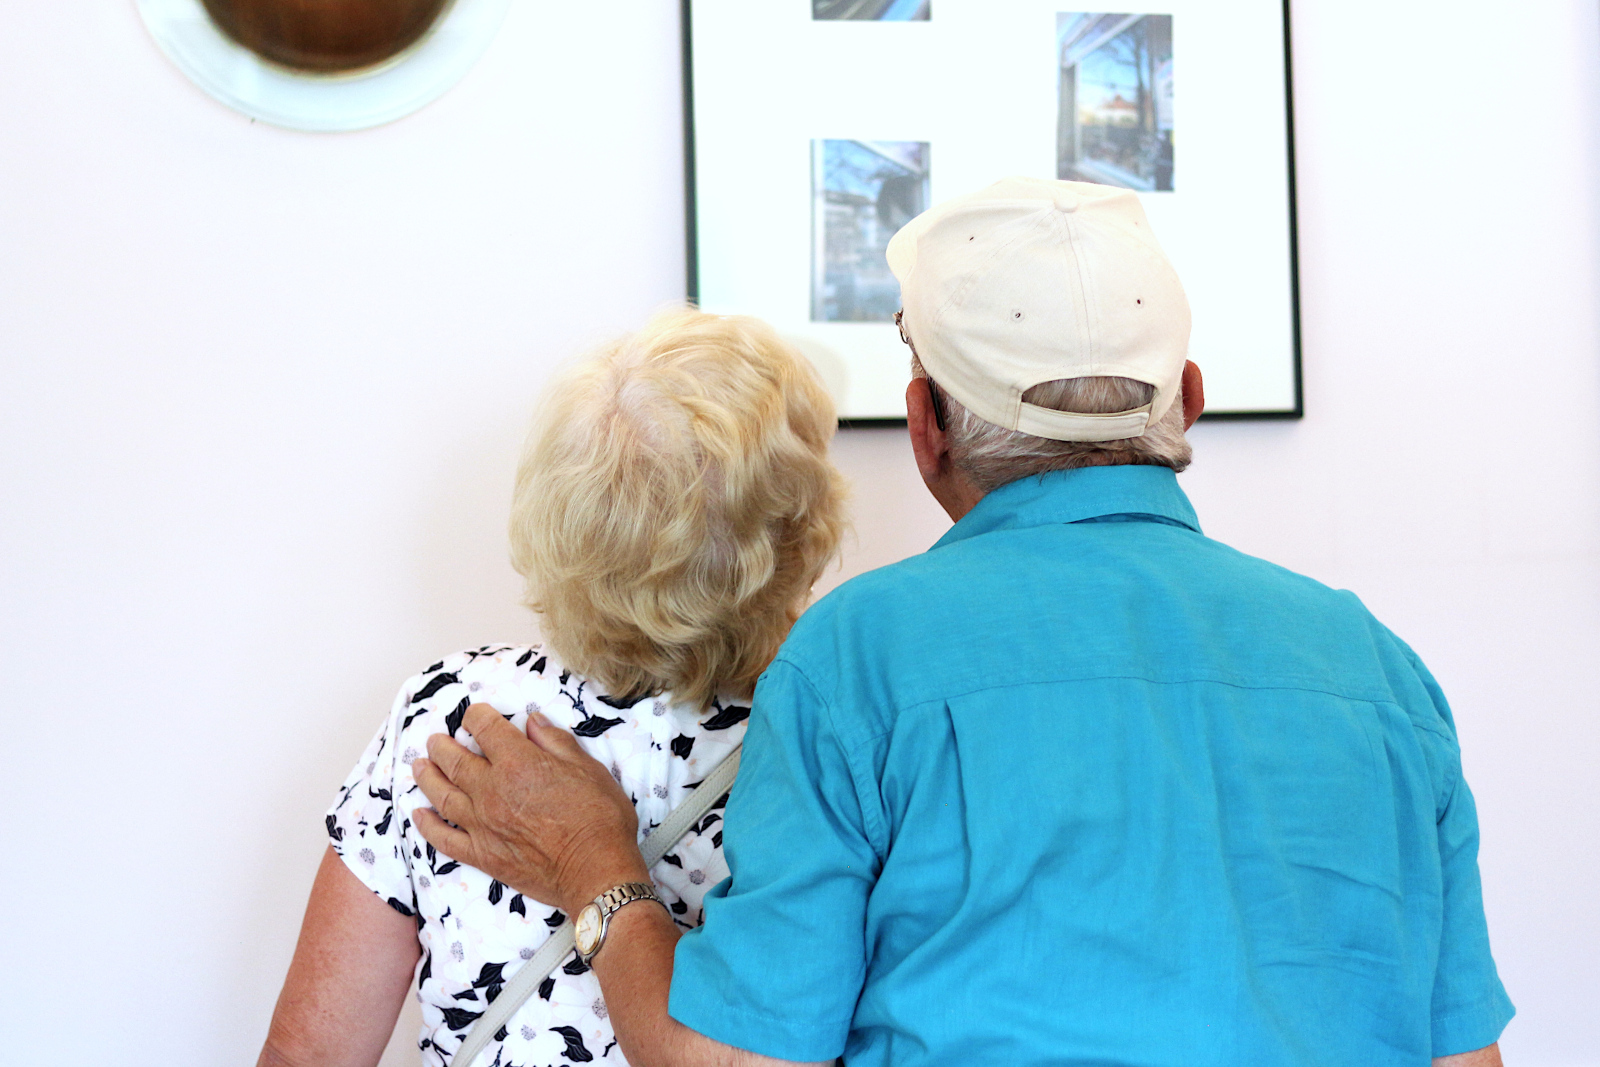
(348, 980)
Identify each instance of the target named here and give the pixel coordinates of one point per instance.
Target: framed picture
(817, 128)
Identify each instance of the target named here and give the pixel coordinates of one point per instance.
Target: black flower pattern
(594, 726)
(576, 1050)
(458, 1018)
(726, 716)
(434, 684)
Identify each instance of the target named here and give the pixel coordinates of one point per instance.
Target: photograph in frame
(1116, 110)
(815, 132)
(871, 10)
(862, 192)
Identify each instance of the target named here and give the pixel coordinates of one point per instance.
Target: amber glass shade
(325, 36)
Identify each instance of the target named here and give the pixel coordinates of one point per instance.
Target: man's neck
(954, 491)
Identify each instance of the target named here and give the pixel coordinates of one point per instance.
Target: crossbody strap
(517, 991)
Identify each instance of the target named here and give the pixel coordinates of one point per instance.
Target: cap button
(1066, 202)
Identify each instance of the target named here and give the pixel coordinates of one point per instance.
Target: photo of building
(1114, 123)
(874, 10)
(862, 192)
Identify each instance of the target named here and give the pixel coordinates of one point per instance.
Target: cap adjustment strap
(1082, 426)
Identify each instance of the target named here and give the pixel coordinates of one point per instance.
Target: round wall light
(324, 64)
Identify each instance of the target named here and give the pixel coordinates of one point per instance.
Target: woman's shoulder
(511, 677)
(520, 679)
(484, 664)
(651, 740)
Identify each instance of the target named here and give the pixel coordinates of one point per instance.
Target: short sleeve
(1470, 1006)
(363, 827)
(779, 963)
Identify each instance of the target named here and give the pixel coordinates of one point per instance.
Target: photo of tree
(1114, 123)
(875, 10)
(862, 192)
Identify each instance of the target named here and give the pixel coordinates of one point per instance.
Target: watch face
(586, 929)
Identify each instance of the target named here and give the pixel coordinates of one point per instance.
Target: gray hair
(992, 456)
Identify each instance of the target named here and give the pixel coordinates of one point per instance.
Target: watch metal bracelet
(626, 893)
(608, 904)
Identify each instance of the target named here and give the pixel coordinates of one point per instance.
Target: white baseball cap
(1032, 280)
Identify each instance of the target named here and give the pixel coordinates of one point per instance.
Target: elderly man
(1077, 786)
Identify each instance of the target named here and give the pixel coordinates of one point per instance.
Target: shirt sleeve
(778, 966)
(1470, 1005)
(363, 827)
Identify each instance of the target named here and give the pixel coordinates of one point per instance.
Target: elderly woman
(673, 507)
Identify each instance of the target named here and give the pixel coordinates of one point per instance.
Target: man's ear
(1194, 394)
(927, 440)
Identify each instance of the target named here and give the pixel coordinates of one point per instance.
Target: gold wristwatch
(589, 928)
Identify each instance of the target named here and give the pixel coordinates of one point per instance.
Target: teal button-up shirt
(1082, 786)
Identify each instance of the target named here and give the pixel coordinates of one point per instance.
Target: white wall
(262, 393)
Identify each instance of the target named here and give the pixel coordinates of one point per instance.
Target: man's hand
(540, 815)
(536, 812)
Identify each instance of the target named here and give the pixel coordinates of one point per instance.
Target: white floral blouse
(476, 932)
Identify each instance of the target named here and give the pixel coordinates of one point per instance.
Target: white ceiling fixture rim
(324, 103)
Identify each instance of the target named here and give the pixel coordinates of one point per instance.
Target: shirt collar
(1076, 496)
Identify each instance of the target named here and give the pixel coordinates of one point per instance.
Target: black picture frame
(1293, 411)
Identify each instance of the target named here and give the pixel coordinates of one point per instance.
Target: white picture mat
(978, 82)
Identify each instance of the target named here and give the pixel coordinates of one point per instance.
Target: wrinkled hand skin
(535, 811)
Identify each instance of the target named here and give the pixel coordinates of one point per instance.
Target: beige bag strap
(559, 945)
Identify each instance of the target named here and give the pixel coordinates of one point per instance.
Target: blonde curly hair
(674, 505)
